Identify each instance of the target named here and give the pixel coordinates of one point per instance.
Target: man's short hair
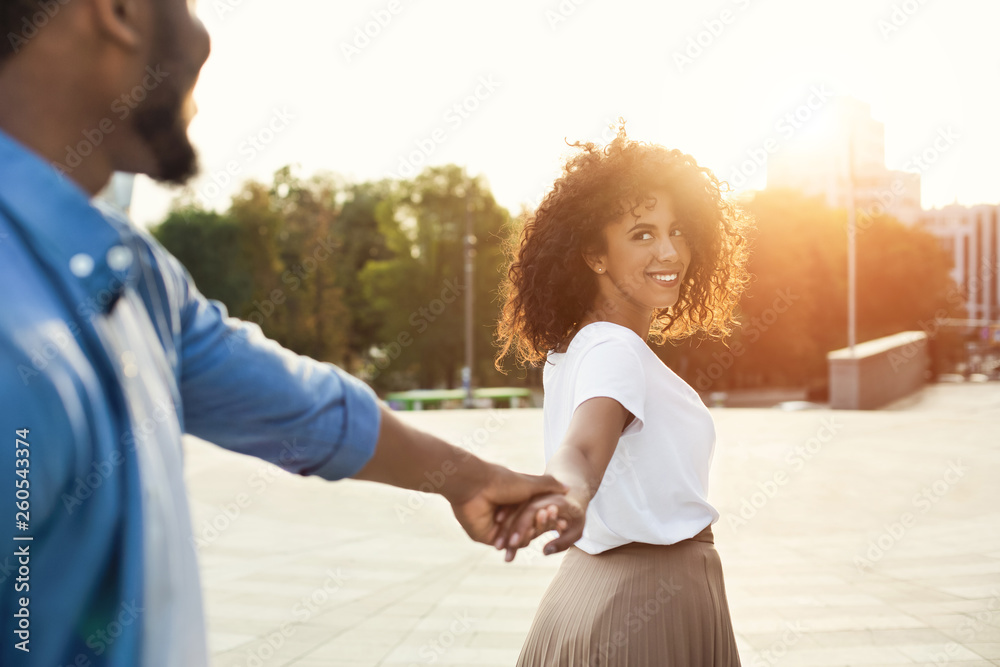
(20, 21)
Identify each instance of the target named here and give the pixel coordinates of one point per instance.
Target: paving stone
(826, 551)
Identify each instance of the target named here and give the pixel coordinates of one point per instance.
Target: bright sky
(714, 79)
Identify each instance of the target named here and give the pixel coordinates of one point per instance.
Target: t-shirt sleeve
(613, 369)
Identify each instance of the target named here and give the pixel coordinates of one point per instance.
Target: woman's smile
(669, 279)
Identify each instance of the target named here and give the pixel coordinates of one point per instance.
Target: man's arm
(246, 393)
(413, 459)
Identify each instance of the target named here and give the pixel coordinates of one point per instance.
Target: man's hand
(477, 513)
(413, 459)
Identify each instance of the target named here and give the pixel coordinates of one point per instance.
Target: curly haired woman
(633, 242)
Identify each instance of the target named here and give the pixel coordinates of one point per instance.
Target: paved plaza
(847, 538)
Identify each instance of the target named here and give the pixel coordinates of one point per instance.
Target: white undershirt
(655, 488)
(172, 613)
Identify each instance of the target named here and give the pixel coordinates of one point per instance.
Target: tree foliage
(795, 310)
(370, 276)
(419, 292)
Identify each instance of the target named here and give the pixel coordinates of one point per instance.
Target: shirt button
(119, 258)
(81, 265)
(129, 367)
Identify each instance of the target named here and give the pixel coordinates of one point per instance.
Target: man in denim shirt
(109, 353)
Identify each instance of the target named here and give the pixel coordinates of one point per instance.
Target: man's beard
(160, 123)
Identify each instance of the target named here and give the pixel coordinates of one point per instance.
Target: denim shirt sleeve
(248, 394)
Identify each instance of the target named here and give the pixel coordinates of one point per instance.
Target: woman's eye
(677, 231)
(643, 236)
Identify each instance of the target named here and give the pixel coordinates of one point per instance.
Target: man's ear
(118, 20)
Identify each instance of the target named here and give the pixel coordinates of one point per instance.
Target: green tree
(272, 259)
(314, 318)
(361, 240)
(419, 293)
(903, 278)
(210, 245)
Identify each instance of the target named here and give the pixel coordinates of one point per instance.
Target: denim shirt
(108, 353)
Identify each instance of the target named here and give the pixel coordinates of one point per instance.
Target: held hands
(521, 524)
(476, 489)
(478, 513)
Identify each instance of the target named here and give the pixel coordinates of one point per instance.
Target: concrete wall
(879, 372)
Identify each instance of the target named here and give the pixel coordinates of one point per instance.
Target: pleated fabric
(639, 605)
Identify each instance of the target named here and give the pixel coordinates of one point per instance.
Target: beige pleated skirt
(639, 605)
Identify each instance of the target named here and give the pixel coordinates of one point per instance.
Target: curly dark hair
(549, 287)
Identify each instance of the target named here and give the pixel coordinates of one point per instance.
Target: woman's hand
(522, 524)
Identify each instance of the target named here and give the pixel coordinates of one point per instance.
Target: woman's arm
(588, 446)
(579, 463)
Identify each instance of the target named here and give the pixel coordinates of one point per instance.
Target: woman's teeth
(664, 277)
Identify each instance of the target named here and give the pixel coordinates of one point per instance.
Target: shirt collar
(57, 221)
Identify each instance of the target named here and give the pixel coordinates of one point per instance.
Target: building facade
(848, 144)
(972, 235)
(845, 143)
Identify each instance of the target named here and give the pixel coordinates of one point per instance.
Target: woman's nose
(666, 251)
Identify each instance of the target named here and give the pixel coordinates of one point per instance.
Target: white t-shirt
(655, 488)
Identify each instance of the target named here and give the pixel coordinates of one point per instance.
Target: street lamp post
(470, 253)
(851, 250)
